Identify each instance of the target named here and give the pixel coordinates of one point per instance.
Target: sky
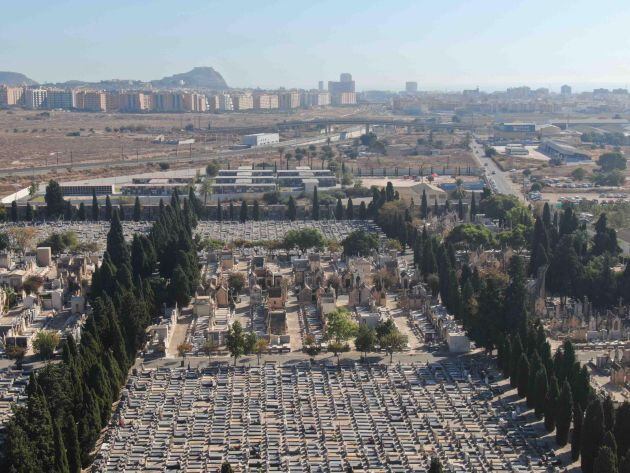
(441, 44)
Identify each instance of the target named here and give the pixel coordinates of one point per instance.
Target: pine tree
(291, 210)
(563, 414)
(95, 208)
(315, 211)
(592, 434)
(256, 211)
(137, 210)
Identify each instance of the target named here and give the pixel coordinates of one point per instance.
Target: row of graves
(319, 418)
(230, 231)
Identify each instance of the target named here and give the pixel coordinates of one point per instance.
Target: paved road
(501, 179)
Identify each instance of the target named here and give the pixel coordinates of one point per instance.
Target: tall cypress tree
(29, 215)
(424, 206)
(563, 414)
(541, 387)
(61, 460)
(339, 209)
(116, 245)
(108, 208)
(219, 211)
(14, 211)
(576, 434)
(137, 210)
(81, 212)
(71, 441)
(243, 213)
(95, 208)
(256, 211)
(231, 211)
(592, 434)
(473, 207)
(606, 461)
(291, 210)
(363, 213)
(550, 404)
(350, 209)
(315, 211)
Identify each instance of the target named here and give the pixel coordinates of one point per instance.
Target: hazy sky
(442, 44)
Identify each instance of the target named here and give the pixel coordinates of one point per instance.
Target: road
(501, 179)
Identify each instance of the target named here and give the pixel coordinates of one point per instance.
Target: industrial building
(261, 139)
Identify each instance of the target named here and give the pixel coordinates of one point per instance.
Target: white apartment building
(316, 99)
(35, 98)
(225, 102)
(60, 99)
(345, 98)
(289, 100)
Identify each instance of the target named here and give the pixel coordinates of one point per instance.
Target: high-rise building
(35, 98)
(411, 87)
(225, 103)
(242, 102)
(344, 98)
(135, 101)
(194, 102)
(91, 101)
(320, 85)
(344, 86)
(565, 90)
(265, 101)
(288, 100)
(315, 98)
(60, 99)
(168, 102)
(10, 96)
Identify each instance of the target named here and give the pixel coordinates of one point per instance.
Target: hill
(199, 77)
(15, 78)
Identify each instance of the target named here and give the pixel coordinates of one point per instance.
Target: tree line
(68, 403)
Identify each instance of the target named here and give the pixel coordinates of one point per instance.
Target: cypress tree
(550, 404)
(609, 441)
(28, 216)
(517, 351)
(563, 414)
(95, 208)
(14, 211)
(315, 211)
(606, 461)
(219, 211)
(350, 209)
(291, 210)
(137, 210)
(116, 245)
(339, 209)
(622, 428)
(121, 211)
(108, 208)
(473, 207)
(81, 212)
(61, 460)
(362, 211)
(68, 211)
(17, 447)
(460, 209)
(436, 208)
(576, 434)
(71, 441)
(523, 375)
(256, 211)
(540, 396)
(231, 211)
(609, 414)
(243, 213)
(424, 206)
(592, 434)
